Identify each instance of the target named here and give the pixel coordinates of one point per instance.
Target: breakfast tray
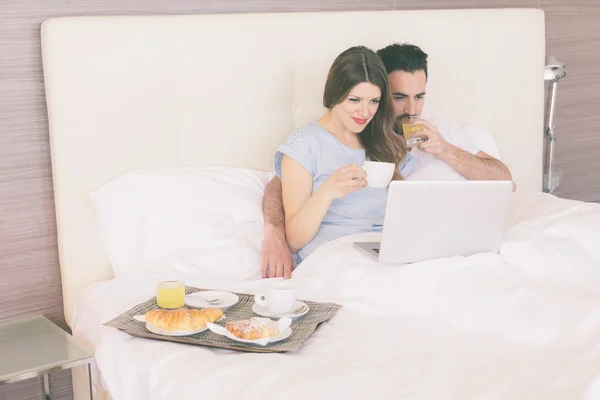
(302, 327)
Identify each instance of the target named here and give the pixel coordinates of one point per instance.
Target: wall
(28, 255)
(573, 36)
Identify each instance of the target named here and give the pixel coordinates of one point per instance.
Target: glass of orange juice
(407, 128)
(170, 290)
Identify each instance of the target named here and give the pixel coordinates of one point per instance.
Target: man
(448, 152)
(451, 151)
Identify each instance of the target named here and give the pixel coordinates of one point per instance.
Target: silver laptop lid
(432, 219)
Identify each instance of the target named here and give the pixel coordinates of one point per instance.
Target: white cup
(279, 297)
(379, 174)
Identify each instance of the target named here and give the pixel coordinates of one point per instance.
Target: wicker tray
(302, 327)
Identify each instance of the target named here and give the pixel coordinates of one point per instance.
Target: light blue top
(321, 154)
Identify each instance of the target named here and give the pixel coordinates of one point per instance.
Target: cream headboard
(132, 92)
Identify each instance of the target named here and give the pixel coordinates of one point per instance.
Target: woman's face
(359, 107)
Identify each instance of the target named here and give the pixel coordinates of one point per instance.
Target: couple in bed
(319, 181)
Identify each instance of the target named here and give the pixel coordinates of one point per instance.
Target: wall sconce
(552, 73)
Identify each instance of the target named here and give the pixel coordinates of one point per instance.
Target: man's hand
(480, 166)
(435, 144)
(276, 258)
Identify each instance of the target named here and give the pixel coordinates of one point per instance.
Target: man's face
(408, 93)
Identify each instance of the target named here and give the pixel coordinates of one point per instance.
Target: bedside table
(34, 346)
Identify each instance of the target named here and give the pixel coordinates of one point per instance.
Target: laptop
(425, 220)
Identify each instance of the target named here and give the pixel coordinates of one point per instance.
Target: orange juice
(406, 129)
(170, 294)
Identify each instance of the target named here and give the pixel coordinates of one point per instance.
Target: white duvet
(522, 324)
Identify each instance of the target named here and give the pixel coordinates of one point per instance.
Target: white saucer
(152, 328)
(300, 309)
(204, 299)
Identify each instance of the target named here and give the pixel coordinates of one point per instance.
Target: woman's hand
(345, 180)
(304, 211)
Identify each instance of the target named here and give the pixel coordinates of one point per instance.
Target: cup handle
(260, 299)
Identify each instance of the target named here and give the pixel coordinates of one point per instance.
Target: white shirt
(468, 138)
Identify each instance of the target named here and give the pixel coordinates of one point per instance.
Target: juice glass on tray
(170, 290)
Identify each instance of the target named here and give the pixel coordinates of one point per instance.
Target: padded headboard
(147, 91)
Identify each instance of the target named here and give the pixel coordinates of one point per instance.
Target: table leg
(46, 386)
(89, 367)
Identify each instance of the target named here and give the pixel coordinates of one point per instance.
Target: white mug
(279, 297)
(379, 174)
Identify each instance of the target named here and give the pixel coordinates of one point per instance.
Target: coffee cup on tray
(278, 296)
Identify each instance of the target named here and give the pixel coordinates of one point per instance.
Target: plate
(211, 299)
(300, 309)
(140, 318)
(152, 328)
(284, 332)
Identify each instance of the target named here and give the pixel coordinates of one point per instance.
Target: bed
(162, 132)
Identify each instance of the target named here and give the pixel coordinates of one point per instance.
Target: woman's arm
(304, 211)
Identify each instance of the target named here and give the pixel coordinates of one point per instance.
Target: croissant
(183, 319)
(253, 328)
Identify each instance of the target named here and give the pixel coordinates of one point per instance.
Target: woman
(323, 186)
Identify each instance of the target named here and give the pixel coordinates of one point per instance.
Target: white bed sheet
(521, 324)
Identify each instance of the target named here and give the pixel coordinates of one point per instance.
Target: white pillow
(179, 218)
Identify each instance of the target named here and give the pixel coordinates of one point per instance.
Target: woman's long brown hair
(361, 64)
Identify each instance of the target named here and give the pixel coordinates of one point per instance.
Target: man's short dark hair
(403, 57)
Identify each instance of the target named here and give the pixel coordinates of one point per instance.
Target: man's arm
(480, 166)
(273, 205)
(276, 258)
